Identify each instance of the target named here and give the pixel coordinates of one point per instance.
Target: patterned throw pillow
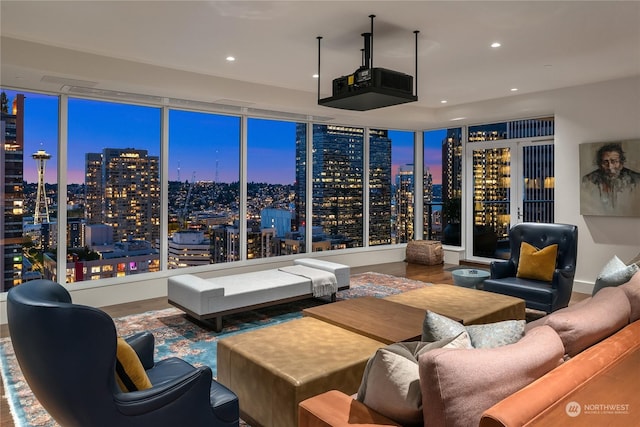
(537, 264)
(437, 327)
(614, 273)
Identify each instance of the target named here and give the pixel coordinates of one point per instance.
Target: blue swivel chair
(538, 295)
(67, 353)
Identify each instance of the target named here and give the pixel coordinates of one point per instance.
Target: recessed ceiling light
(495, 44)
(231, 58)
(444, 101)
(514, 89)
(457, 118)
(315, 76)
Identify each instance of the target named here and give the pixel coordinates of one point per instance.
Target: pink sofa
(525, 383)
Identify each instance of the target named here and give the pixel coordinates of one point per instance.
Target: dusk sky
(200, 143)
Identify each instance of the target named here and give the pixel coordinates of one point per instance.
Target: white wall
(595, 113)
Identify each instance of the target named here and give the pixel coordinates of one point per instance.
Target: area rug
(176, 335)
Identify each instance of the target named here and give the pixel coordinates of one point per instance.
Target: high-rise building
(278, 219)
(300, 185)
(452, 187)
(75, 232)
(126, 188)
(452, 165)
(405, 192)
(11, 193)
(93, 188)
(338, 153)
(338, 161)
(189, 248)
(379, 187)
(431, 213)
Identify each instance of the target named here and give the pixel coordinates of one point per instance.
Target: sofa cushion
(543, 320)
(437, 327)
(614, 273)
(600, 316)
(458, 385)
(391, 382)
(537, 264)
(632, 290)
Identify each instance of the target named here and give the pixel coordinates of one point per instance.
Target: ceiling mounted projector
(369, 88)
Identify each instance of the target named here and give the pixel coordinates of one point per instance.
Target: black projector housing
(370, 88)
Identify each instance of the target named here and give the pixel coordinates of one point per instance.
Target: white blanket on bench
(323, 283)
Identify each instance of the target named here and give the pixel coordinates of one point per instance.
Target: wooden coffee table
(375, 318)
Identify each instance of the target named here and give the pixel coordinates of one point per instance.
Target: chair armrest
(502, 269)
(143, 344)
(189, 388)
(563, 282)
(567, 272)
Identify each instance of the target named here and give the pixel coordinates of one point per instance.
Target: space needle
(42, 208)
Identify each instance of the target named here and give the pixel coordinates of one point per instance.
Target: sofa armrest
(335, 409)
(552, 389)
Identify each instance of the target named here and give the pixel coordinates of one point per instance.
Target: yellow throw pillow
(130, 373)
(537, 264)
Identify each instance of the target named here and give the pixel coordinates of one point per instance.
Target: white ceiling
(545, 44)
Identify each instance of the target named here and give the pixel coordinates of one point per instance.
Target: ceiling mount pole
(319, 38)
(371, 43)
(416, 78)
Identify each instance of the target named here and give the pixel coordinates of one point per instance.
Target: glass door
(512, 182)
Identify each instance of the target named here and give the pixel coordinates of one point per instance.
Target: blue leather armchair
(538, 295)
(67, 353)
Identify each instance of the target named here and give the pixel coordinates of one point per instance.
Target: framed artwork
(610, 178)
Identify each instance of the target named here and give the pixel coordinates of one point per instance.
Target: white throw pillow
(391, 380)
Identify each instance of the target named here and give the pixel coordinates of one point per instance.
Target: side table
(469, 277)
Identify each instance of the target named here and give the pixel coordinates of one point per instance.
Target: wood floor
(432, 274)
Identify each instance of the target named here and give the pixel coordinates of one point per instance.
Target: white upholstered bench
(210, 299)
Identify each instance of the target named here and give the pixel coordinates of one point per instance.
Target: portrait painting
(610, 178)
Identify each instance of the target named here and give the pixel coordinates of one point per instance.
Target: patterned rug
(175, 335)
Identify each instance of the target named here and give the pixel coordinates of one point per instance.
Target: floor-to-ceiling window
(403, 186)
(512, 179)
(114, 160)
(381, 206)
(204, 189)
(28, 185)
(275, 202)
(114, 174)
(391, 186)
(338, 156)
(443, 185)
